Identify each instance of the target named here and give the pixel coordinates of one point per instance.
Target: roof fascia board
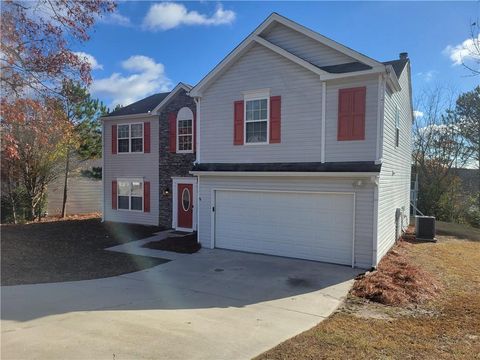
(170, 96)
(196, 90)
(289, 55)
(326, 41)
(392, 79)
(330, 76)
(285, 173)
(128, 117)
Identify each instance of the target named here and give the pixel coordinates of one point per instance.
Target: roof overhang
(286, 174)
(255, 38)
(129, 116)
(176, 89)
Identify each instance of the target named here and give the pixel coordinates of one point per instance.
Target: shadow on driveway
(208, 279)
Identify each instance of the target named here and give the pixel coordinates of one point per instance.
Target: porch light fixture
(166, 191)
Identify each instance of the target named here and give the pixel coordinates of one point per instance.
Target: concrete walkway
(215, 304)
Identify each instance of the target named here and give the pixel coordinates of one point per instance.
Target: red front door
(185, 205)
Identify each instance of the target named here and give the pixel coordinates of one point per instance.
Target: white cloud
(147, 77)
(115, 19)
(90, 59)
(467, 50)
(417, 113)
(168, 15)
(428, 75)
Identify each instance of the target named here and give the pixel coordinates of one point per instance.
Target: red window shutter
(114, 139)
(172, 124)
(114, 194)
(351, 114)
(275, 119)
(146, 137)
(146, 196)
(194, 141)
(238, 123)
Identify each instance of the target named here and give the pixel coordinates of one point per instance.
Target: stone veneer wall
(171, 164)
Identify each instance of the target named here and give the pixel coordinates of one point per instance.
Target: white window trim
(130, 138)
(130, 180)
(251, 95)
(178, 151)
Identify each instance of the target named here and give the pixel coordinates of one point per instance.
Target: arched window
(185, 130)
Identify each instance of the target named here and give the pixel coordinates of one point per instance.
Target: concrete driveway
(215, 304)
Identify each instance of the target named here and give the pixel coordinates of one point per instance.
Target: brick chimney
(403, 56)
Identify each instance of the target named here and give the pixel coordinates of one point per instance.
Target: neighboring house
(304, 148)
(84, 195)
(148, 151)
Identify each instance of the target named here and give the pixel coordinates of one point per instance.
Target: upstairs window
(397, 127)
(185, 130)
(130, 138)
(256, 114)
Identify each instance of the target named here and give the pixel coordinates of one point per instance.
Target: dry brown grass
(446, 327)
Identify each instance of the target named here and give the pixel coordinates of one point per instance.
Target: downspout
(375, 221)
(103, 171)
(197, 161)
(324, 111)
(380, 112)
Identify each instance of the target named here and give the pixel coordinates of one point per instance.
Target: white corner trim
(289, 55)
(379, 119)
(197, 132)
(324, 112)
(183, 180)
(375, 222)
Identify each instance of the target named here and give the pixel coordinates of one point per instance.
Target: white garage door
(314, 226)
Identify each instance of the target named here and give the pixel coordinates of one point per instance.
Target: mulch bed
(69, 250)
(181, 244)
(397, 281)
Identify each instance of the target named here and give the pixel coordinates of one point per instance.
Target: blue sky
(148, 47)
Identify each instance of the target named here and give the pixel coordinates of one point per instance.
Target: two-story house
(303, 148)
(148, 152)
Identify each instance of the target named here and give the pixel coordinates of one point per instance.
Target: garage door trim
(213, 197)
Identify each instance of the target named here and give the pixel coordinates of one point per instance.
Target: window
(256, 121)
(130, 195)
(397, 126)
(185, 130)
(186, 199)
(130, 138)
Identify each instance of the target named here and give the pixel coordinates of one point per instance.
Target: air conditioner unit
(425, 228)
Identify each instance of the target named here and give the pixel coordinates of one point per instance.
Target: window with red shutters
(146, 135)
(114, 195)
(114, 139)
(172, 125)
(351, 114)
(146, 196)
(275, 119)
(238, 122)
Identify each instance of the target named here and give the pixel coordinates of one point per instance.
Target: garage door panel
(315, 226)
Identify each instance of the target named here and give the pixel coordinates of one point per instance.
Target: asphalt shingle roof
(398, 65)
(141, 106)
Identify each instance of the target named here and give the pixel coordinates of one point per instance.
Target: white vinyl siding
(134, 165)
(301, 94)
(304, 46)
(363, 208)
(352, 150)
(394, 182)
